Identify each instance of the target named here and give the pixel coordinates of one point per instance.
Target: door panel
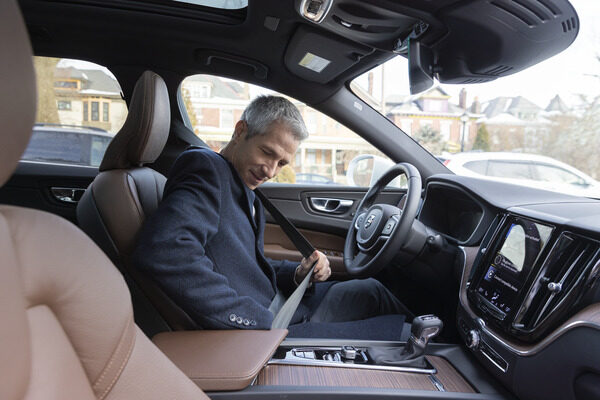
(32, 183)
(279, 247)
(325, 230)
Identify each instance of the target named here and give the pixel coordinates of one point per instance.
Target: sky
(566, 73)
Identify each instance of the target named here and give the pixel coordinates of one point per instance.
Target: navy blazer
(205, 250)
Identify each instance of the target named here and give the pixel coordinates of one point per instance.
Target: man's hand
(321, 272)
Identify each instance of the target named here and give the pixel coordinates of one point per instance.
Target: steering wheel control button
(360, 221)
(389, 226)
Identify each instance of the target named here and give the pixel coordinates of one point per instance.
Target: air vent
(560, 282)
(569, 24)
(499, 70)
(476, 80)
(530, 12)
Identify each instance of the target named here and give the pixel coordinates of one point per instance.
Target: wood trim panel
(295, 375)
(279, 247)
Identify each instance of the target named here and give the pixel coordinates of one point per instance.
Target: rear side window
(80, 109)
(550, 173)
(509, 169)
(477, 166)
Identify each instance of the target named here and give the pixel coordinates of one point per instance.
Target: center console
(526, 294)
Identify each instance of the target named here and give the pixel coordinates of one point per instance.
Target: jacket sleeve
(171, 249)
(284, 272)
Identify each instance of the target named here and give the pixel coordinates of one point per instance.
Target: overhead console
(456, 41)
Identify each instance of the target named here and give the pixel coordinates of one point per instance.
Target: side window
(508, 169)
(332, 154)
(79, 111)
(477, 166)
(549, 173)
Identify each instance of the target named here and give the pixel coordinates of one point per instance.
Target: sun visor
(318, 58)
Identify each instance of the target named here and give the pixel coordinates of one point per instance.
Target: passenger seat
(67, 328)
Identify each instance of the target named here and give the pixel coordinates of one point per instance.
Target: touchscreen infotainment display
(520, 248)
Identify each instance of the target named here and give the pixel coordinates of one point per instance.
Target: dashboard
(529, 307)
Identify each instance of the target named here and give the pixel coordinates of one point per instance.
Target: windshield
(539, 127)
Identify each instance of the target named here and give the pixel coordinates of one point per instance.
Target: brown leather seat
(114, 207)
(67, 329)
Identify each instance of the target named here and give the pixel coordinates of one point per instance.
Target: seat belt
(284, 309)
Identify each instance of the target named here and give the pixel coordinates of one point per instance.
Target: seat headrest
(146, 129)
(17, 80)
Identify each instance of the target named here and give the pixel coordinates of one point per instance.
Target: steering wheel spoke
(362, 258)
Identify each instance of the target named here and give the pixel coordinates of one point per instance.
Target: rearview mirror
(420, 67)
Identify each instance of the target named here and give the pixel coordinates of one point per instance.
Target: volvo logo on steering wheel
(370, 219)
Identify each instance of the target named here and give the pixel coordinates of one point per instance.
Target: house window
(105, 112)
(311, 156)
(64, 105)
(226, 118)
(65, 84)
(204, 92)
(95, 111)
(85, 110)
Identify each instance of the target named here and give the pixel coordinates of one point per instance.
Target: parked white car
(525, 169)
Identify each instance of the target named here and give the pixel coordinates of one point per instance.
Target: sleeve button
(239, 320)
(232, 317)
(246, 322)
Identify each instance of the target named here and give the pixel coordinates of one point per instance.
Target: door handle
(66, 194)
(331, 206)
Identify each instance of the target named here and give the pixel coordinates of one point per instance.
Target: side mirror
(364, 170)
(420, 67)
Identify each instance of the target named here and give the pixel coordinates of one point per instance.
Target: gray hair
(264, 110)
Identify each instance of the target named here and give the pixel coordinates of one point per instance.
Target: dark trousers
(355, 300)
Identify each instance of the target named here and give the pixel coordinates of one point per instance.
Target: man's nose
(270, 170)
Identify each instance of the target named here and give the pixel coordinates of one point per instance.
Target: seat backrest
(115, 205)
(67, 329)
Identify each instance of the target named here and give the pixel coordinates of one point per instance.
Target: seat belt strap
(284, 311)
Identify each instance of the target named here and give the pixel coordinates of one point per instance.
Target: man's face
(260, 158)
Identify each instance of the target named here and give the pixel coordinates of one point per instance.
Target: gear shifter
(424, 328)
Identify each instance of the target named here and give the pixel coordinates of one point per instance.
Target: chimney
(462, 98)
(476, 106)
(370, 85)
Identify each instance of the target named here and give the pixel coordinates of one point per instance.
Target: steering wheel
(378, 231)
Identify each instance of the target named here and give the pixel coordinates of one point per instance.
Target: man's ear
(240, 130)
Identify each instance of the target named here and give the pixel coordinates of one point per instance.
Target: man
(204, 245)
